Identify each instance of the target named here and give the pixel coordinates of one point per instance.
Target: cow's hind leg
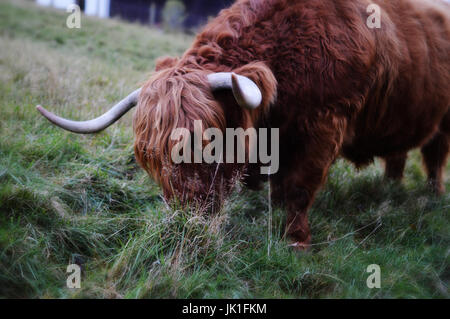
(395, 166)
(435, 154)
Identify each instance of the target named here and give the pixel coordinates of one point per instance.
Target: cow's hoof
(437, 187)
(301, 247)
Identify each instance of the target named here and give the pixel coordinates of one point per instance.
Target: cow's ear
(165, 63)
(261, 74)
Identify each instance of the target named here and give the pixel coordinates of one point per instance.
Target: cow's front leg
(300, 191)
(304, 172)
(297, 226)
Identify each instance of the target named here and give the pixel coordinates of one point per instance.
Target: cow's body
(342, 87)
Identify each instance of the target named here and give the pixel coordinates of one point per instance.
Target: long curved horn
(245, 91)
(98, 124)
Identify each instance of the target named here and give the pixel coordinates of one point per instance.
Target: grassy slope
(66, 198)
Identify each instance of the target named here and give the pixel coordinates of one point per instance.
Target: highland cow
(315, 69)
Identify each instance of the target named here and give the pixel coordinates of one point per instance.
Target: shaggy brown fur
(330, 83)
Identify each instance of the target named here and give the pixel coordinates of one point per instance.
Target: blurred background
(172, 14)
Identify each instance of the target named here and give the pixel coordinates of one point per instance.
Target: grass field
(66, 198)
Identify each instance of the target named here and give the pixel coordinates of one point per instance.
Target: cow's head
(176, 97)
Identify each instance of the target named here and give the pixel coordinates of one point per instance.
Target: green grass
(66, 198)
